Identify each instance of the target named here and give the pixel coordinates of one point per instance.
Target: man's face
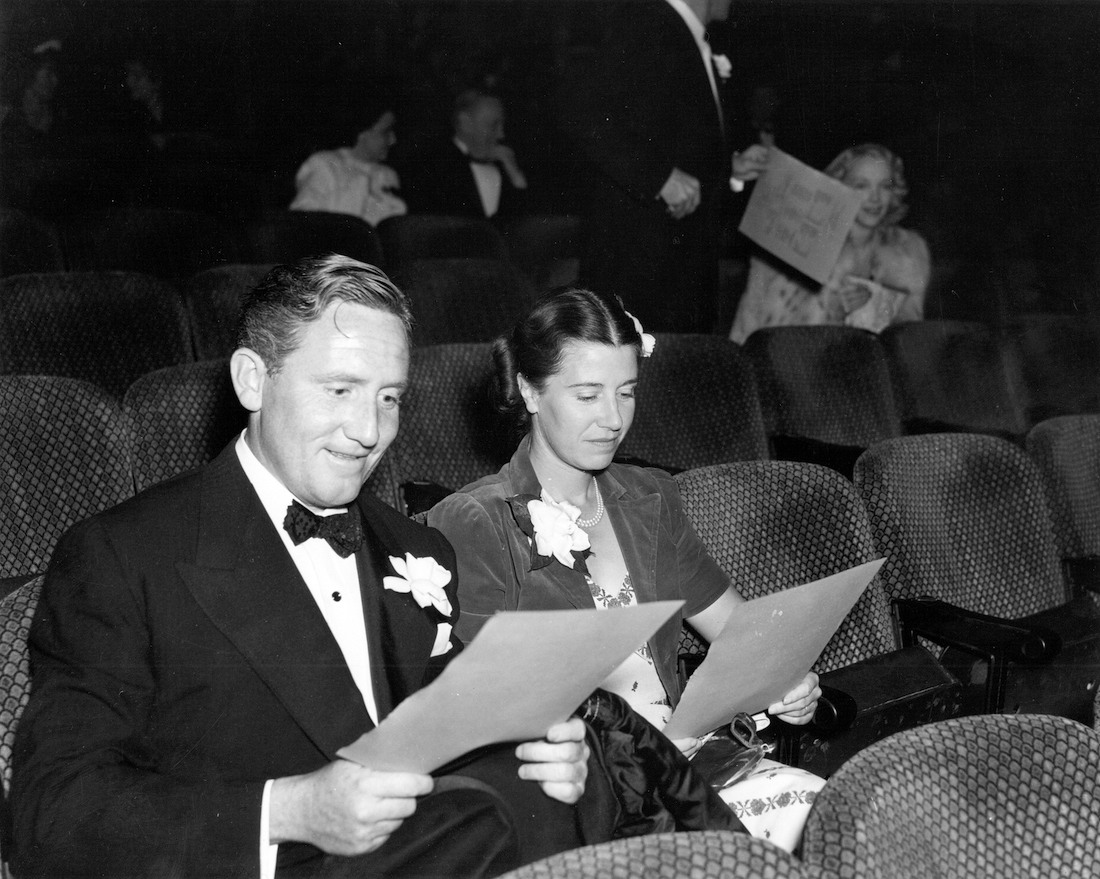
(481, 127)
(327, 416)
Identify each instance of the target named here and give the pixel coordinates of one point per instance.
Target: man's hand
(559, 763)
(749, 164)
(343, 808)
(799, 704)
(507, 158)
(681, 193)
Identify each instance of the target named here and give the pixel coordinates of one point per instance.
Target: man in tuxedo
(473, 173)
(649, 117)
(201, 651)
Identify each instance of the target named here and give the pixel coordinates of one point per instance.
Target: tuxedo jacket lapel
(249, 587)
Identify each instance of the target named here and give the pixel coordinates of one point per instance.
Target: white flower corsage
(553, 531)
(648, 342)
(424, 578)
(722, 65)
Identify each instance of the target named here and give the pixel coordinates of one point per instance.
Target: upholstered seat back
(962, 518)
(697, 405)
(1006, 796)
(772, 525)
(213, 301)
(64, 455)
(1067, 450)
(16, 613)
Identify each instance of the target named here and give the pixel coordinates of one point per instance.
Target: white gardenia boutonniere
(556, 531)
(722, 65)
(424, 578)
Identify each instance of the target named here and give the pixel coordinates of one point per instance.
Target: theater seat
(213, 300)
(439, 236)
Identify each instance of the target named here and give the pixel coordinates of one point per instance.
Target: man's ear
(529, 393)
(249, 375)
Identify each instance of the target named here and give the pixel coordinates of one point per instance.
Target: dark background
(992, 105)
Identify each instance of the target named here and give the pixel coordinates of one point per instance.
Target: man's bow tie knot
(343, 531)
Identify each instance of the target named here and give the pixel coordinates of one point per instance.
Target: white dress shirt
(489, 181)
(327, 576)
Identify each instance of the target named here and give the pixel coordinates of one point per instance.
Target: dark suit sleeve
(92, 792)
(613, 107)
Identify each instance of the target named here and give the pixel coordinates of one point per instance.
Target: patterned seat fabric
(962, 518)
(213, 300)
(1060, 357)
(701, 855)
(1067, 450)
(437, 236)
(826, 383)
(16, 613)
(1006, 796)
(183, 416)
(64, 455)
(771, 525)
(105, 327)
(449, 433)
(718, 421)
(955, 373)
(286, 236)
(463, 300)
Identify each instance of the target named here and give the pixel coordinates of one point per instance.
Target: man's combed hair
(292, 296)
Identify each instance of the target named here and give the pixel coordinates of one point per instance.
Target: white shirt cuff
(736, 185)
(269, 853)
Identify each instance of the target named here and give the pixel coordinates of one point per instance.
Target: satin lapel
(400, 633)
(250, 589)
(636, 521)
(555, 577)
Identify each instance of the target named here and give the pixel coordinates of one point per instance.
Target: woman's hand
(689, 747)
(855, 292)
(799, 705)
(749, 164)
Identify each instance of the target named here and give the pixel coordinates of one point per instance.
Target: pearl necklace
(595, 520)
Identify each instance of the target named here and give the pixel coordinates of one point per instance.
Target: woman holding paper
(561, 526)
(880, 276)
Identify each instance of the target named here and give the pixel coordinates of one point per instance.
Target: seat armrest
(993, 637)
(836, 711)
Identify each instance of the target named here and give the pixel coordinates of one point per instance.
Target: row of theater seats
(175, 244)
(963, 518)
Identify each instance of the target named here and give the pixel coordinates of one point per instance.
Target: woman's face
(872, 175)
(374, 143)
(586, 408)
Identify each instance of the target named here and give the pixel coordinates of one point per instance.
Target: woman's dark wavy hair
(291, 296)
(536, 345)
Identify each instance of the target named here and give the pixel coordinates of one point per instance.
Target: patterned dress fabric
(1067, 450)
(463, 300)
(449, 433)
(213, 301)
(957, 373)
(64, 455)
(771, 525)
(718, 420)
(1060, 356)
(104, 327)
(1004, 796)
(709, 854)
(827, 383)
(183, 416)
(962, 518)
(16, 613)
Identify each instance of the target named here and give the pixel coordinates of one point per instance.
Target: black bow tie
(474, 161)
(343, 531)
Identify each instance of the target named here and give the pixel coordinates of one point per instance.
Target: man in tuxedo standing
(650, 119)
(201, 651)
(472, 173)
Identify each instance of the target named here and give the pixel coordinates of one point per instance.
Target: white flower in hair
(648, 342)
